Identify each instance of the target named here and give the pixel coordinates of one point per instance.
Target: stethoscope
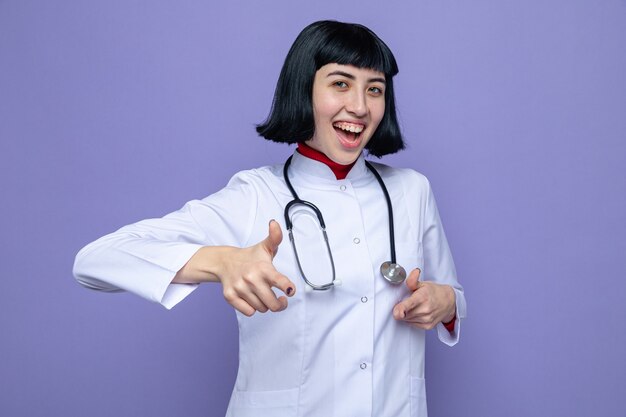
(390, 270)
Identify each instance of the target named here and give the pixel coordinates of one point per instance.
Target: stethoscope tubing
(392, 239)
(298, 201)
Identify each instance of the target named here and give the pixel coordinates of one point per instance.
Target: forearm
(206, 265)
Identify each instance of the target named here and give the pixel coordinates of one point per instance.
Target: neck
(340, 171)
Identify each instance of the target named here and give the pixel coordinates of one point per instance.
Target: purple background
(115, 111)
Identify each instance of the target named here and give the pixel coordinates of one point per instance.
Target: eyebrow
(352, 77)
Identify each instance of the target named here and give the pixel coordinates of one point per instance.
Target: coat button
(342, 188)
(363, 365)
(356, 240)
(364, 299)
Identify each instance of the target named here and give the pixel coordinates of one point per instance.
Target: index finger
(401, 309)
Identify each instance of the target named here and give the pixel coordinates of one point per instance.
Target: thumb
(413, 281)
(273, 239)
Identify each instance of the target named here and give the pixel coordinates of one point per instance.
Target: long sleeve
(144, 257)
(439, 266)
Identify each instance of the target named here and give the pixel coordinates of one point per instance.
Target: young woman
(345, 324)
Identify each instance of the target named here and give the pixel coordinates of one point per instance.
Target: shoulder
(410, 179)
(256, 177)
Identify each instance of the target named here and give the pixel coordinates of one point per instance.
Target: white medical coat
(330, 353)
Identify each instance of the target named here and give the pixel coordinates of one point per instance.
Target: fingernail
(270, 223)
(289, 291)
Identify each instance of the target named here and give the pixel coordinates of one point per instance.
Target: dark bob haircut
(291, 118)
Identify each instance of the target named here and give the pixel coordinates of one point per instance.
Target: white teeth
(349, 127)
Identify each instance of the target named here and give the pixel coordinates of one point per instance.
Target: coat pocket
(418, 397)
(281, 403)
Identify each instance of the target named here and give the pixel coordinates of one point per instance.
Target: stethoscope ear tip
(337, 283)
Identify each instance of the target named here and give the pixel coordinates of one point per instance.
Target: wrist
(449, 318)
(213, 262)
(206, 265)
(447, 321)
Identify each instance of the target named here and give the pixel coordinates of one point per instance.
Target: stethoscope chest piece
(393, 272)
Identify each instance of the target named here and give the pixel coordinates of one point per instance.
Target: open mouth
(349, 133)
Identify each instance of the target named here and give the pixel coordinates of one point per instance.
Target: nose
(357, 104)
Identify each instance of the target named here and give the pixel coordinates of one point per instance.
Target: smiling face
(348, 105)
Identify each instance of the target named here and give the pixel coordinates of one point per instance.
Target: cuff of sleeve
(175, 293)
(139, 266)
(451, 336)
(168, 294)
